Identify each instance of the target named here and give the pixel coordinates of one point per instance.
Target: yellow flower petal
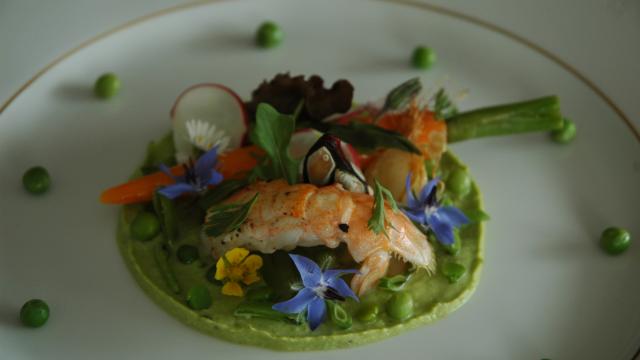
(221, 269)
(235, 256)
(251, 278)
(232, 288)
(252, 263)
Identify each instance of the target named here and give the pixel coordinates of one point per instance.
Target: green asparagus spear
(541, 114)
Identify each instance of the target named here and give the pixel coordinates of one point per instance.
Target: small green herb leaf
(221, 192)
(377, 221)
(401, 95)
(224, 218)
(443, 106)
(370, 137)
(477, 215)
(272, 132)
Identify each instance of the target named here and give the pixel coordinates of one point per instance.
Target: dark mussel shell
(326, 163)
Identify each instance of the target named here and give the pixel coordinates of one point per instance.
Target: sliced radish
(212, 107)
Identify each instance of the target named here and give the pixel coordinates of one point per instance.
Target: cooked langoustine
(287, 216)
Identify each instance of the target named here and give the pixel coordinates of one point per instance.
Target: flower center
(326, 292)
(430, 210)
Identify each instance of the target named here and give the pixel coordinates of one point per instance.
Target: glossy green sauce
(434, 296)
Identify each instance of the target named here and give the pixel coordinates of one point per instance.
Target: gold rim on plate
(413, 3)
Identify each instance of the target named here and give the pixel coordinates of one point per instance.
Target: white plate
(547, 289)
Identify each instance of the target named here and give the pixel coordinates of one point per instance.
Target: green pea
(145, 226)
(262, 293)
(269, 35)
(400, 306)
(339, 316)
(199, 298)
(566, 133)
(459, 182)
(453, 271)
(615, 240)
(107, 86)
(368, 313)
(34, 313)
(187, 254)
(36, 180)
(423, 57)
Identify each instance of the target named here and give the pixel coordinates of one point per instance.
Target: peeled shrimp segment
(288, 216)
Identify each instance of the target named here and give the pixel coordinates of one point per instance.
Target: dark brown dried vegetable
(285, 92)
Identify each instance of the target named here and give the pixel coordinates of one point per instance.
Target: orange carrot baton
(231, 164)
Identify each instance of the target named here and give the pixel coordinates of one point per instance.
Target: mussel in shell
(327, 162)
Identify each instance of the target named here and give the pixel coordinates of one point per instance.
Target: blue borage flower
(426, 210)
(197, 177)
(318, 286)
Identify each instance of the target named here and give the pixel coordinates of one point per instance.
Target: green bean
(541, 114)
(187, 254)
(263, 293)
(161, 258)
(263, 310)
(339, 316)
(165, 210)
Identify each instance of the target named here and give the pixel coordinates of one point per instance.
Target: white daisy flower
(204, 135)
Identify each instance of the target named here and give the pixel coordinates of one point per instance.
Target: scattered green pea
(107, 86)
(145, 226)
(368, 313)
(199, 298)
(423, 57)
(339, 316)
(263, 293)
(187, 254)
(269, 35)
(453, 271)
(400, 306)
(459, 182)
(36, 180)
(615, 240)
(566, 133)
(34, 313)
